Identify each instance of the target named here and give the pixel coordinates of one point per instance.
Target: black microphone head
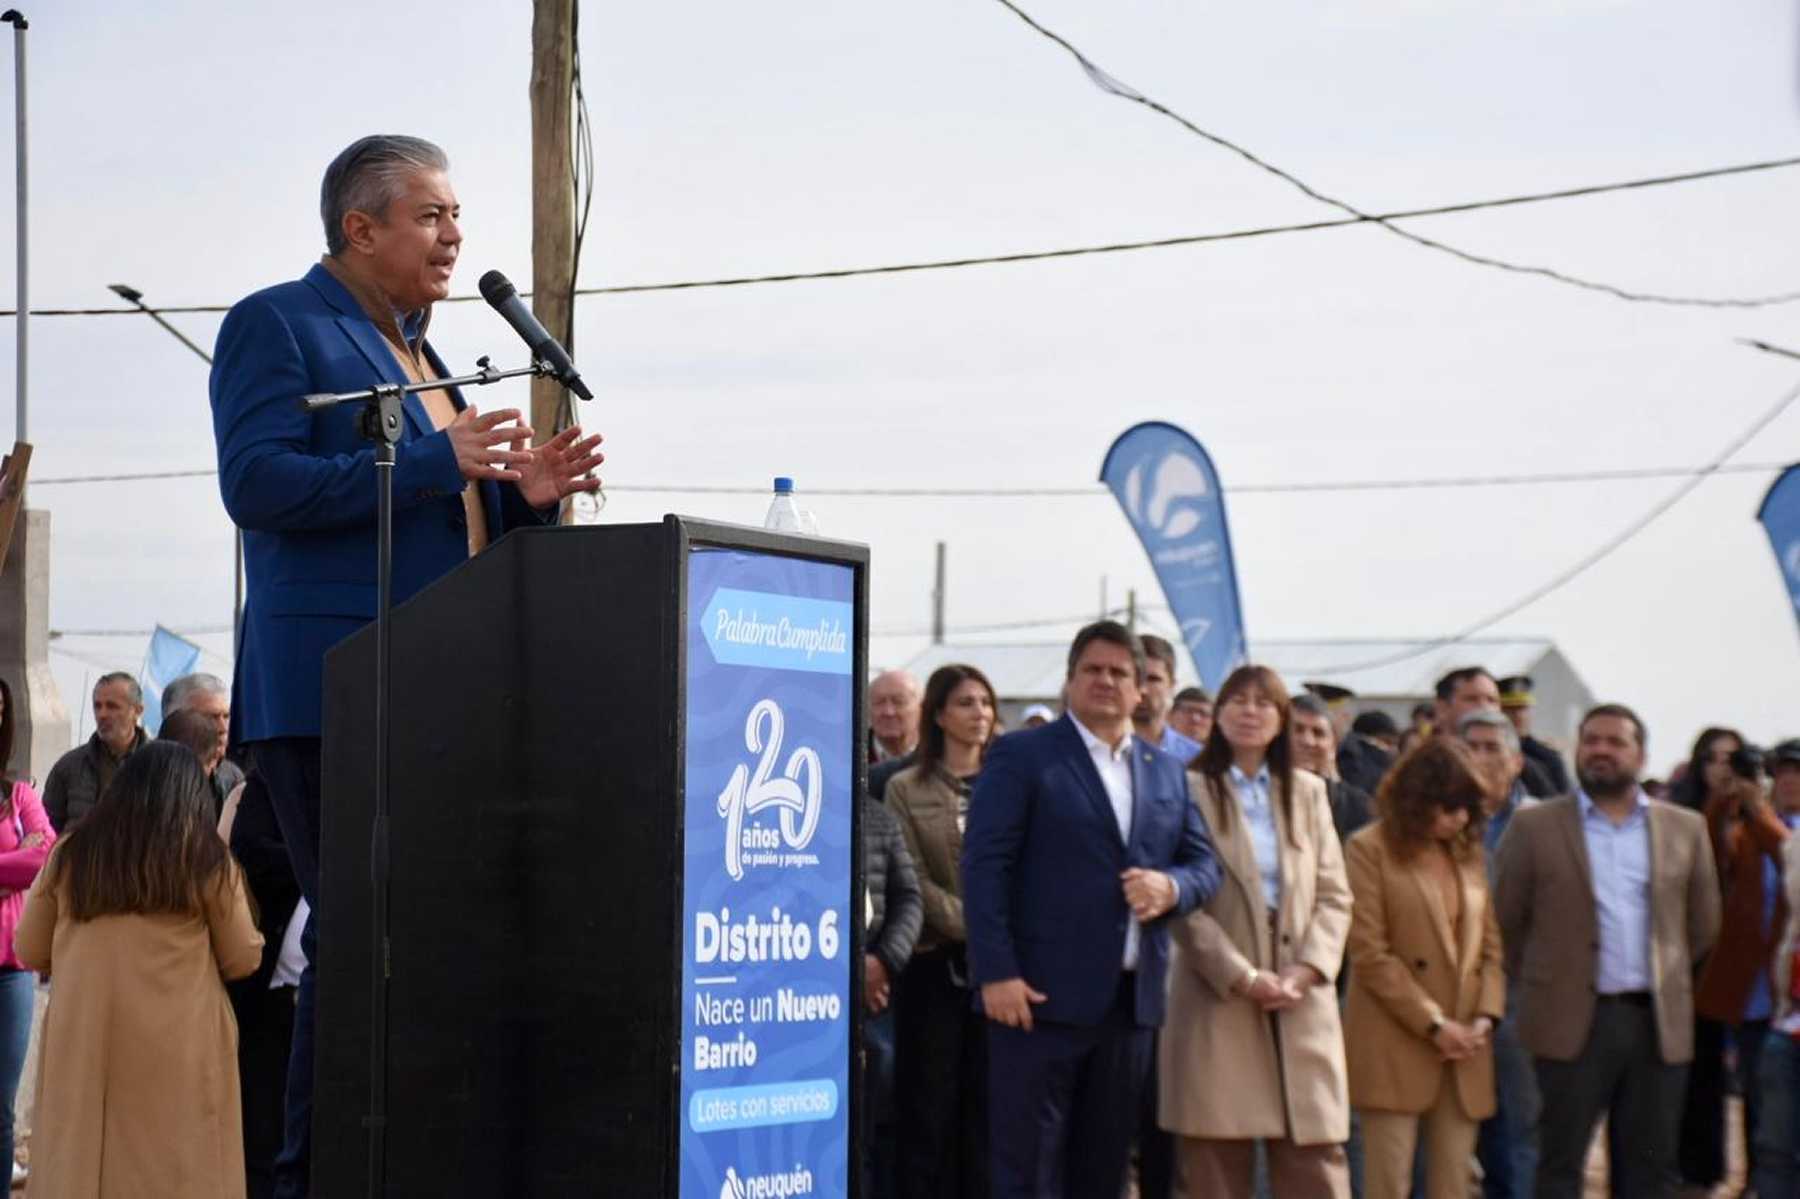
(496, 288)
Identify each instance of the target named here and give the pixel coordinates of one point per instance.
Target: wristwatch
(1432, 1032)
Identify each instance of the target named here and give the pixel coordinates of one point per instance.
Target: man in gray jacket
(81, 775)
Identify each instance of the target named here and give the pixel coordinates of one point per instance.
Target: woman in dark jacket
(1705, 784)
(941, 1041)
(1734, 994)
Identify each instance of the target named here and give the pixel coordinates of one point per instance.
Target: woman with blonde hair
(1426, 987)
(139, 916)
(1252, 1049)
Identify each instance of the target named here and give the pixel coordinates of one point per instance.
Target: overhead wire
(1123, 91)
(581, 177)
(1092, 490)
(1579, 568)
(939, 264)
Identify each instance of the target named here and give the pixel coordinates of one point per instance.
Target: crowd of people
(1161, 937)
(1254, 943)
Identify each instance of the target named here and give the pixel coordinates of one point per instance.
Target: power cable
(1113, 86)
(1094, 491)
(1604, 551)
(1718, 465)
(581, 177)
(1380, 218)
(200, 631)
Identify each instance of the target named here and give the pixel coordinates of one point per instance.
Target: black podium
(626, 880)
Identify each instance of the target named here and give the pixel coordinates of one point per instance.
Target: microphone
(503, 297)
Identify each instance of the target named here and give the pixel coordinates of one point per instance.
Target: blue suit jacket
(1041, 862)
(302, 488)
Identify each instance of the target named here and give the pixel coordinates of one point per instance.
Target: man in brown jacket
(1607, 900)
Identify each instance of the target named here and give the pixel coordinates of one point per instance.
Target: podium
(626, 895)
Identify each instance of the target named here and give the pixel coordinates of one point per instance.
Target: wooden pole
(552, 191)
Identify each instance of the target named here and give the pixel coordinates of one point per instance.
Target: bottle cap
(783, 485)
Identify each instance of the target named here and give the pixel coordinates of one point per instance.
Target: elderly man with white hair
(894, 699)
(207, 695)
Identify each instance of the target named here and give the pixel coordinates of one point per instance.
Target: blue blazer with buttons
(1042, 856)
(302, 488)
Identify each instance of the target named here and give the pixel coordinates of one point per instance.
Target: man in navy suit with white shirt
(302, 485)
(1081, 842)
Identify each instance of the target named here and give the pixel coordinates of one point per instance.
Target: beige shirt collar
(374, 302)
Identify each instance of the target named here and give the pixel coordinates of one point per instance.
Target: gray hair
(176, 695)
(369, 176)
(131, 686)
(1509, 736)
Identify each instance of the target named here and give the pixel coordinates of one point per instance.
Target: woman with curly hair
(1426, 986)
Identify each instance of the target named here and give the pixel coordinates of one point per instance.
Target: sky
(178, 147)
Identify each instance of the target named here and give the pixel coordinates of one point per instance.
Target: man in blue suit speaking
(302, 486)
(1081, 841)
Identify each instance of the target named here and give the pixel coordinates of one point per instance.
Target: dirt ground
(1734, 1158)
(1596, 1171)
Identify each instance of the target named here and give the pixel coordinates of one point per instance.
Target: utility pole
(937, 600)
(1131, 608)
(552, 192)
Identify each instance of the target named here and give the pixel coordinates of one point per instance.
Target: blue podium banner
(1166, 483)
(767, 870)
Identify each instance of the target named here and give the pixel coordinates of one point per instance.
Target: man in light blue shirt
(1606, 902)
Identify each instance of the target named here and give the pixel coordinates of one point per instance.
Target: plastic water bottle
(785, 515)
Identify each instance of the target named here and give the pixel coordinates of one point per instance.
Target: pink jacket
(20, 817)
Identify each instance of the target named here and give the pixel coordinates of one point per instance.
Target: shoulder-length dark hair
(1216, 755)
(1690, 792)
(1441, 773)
(8, 722)
(944, 680)
(150, 846)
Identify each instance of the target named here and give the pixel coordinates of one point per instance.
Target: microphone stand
(380, 422)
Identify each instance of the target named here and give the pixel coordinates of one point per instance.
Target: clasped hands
(496, 446)
(1457, 1042)
(1279, 992)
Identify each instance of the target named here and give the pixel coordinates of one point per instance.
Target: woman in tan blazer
(139, 916)
(1252, 1049)
(940, 1040)
(1426, 986)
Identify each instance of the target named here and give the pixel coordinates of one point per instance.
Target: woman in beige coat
(1252, 1048)
(137, 916)
(1426, 987)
